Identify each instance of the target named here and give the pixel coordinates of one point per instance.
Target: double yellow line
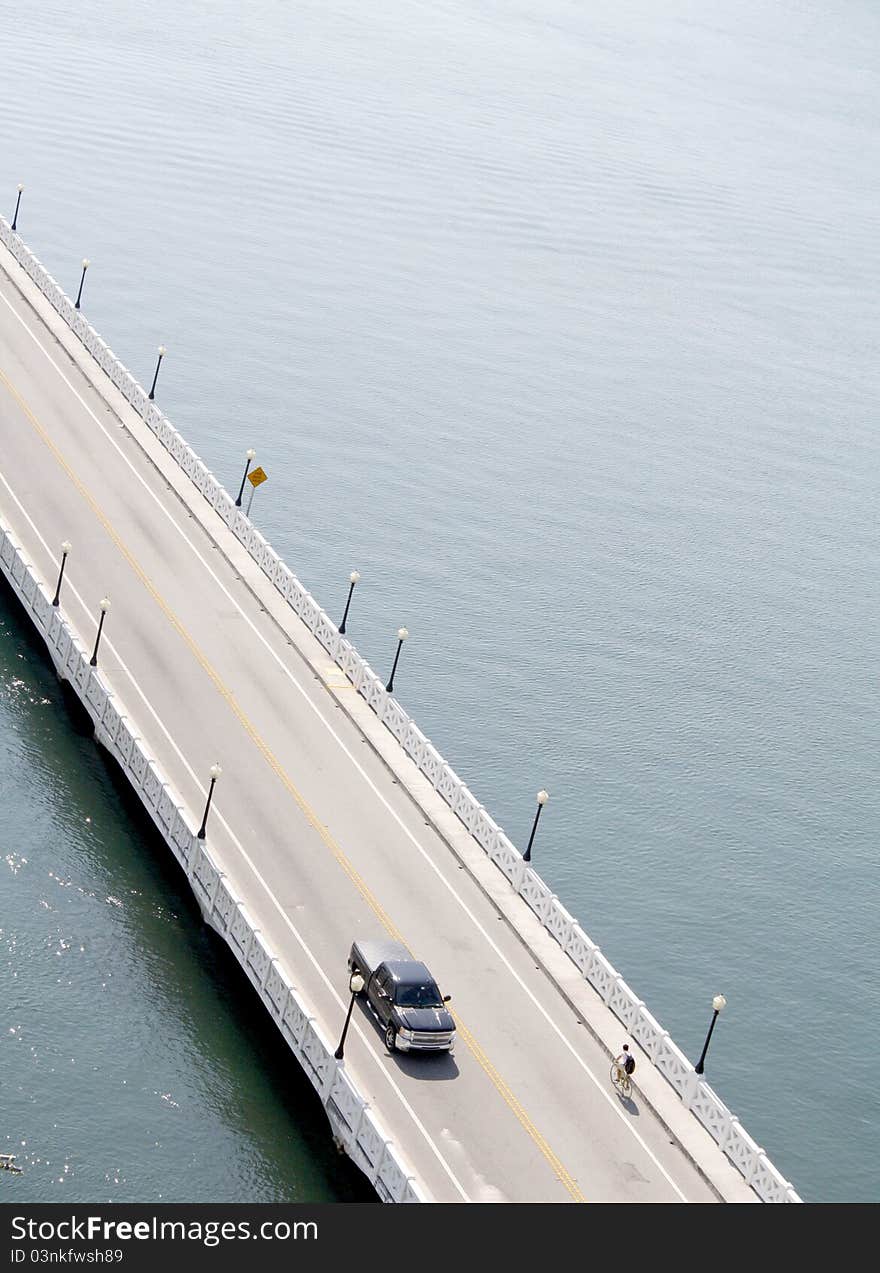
(479, 1055)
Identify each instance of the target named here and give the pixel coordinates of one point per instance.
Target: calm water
(559, 322)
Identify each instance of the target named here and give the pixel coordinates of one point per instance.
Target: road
(307, 820)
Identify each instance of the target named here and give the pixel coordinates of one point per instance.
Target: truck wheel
(391, 1038)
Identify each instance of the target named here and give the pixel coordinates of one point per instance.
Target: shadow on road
(628, 1104)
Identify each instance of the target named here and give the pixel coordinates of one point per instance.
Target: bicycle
(620, 1079)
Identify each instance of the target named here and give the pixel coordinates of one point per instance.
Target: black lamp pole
(105, 606)
(353, 578)
(65, 549)
(402, 634)
(17, 206)
(355, 985)
(162, 352)
(215, 774)
(251, 456)
(81, 281)
(717, 1004)
(543, 797)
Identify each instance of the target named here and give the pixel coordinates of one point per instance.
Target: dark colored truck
(404, 997)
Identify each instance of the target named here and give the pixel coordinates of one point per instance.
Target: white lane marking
(600, 1086)
(343, 1003)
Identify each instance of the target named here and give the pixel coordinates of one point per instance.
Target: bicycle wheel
(620, 1079)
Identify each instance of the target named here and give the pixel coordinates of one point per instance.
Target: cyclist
(626, 1062)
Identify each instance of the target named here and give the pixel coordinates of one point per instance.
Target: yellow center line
(515, 1105)
(311, 817)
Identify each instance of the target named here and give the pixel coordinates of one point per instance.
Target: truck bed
(368, 955)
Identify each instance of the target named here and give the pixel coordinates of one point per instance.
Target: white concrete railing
(351, 1119)
(739, 1147)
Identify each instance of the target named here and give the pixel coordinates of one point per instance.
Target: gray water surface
(559, 322)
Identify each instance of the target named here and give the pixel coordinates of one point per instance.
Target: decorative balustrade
(353, 1122)
(742, 1151)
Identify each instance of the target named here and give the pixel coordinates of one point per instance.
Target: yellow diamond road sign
(256, 476)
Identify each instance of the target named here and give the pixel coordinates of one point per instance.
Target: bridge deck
(308, 821)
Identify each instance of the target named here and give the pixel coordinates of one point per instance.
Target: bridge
(332, 816)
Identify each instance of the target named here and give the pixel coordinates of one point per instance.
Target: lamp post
(718, 1003)
(81, 281)
(215, 772)
(162, 353)
(251, 456)
(105, 606)
(542, 798)
(353, 578)
(17, 206)
(65, 549)
(402, 634)
(355, 985)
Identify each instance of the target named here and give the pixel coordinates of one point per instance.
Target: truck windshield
(426, 996)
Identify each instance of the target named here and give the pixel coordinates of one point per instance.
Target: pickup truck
(404, 997)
